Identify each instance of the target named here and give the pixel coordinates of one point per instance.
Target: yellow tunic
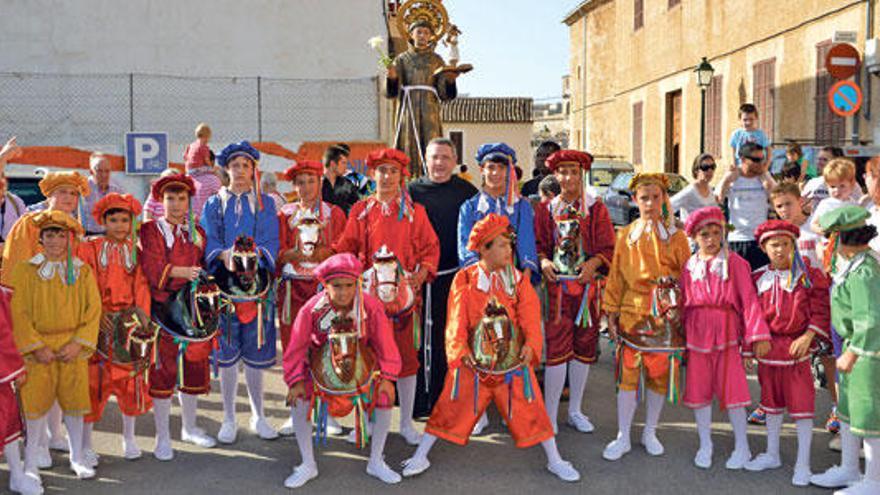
(22, 243)
(47, 312)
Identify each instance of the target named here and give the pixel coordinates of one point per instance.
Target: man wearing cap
(242, 210)
(63, 191)
(300, 251)
(720, 314)
(571, 327)
(542, 152)
(793, 298)
(647, 250)
(441, 192)
(121, 282)
(855, 316)
(469, 389)
(172, 248)
(413, 78)
(390, 218)
(342, 297)
(99, 187)
(56, 309)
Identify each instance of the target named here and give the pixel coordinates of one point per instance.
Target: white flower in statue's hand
(376, 42)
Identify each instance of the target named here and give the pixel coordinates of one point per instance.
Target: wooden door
(673, 132)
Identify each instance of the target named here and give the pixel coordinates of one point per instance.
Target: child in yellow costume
(56, 310)
(646, 250)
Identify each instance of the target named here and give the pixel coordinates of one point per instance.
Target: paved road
(490, 464)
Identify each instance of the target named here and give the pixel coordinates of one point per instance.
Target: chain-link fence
(89, 110)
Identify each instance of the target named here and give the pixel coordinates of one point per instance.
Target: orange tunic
(453, 418)
(122, 285)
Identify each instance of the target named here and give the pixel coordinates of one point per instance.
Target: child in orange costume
(469, 389)
(123, 286)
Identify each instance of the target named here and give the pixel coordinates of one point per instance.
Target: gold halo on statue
(431, 11)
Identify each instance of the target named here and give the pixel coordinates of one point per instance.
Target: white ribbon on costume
(406, 104)
(429, 324)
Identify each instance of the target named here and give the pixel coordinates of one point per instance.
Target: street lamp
(704, 79)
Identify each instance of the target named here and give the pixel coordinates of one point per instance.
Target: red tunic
(11, 367)
(372, 224)
(564, 341)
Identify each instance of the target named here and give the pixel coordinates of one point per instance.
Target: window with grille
(638, 14)
(764, 94)
(830, 129)
(714, 100)
(637, 134)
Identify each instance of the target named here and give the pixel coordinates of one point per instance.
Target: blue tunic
(522, 219)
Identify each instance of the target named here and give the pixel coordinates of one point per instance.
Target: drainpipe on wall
(869, 33)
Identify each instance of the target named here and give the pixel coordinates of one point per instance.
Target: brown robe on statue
(416, 68)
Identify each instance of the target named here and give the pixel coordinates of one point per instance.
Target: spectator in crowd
(269, 185)
(336, 189)
(545, 149)
(153, 208)
(549, 188)
(198, 159)
(99, 186)
(11, 208)
(816, 189)
(697, 194)
(749, 132)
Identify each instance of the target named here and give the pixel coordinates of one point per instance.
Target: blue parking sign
(146, 152)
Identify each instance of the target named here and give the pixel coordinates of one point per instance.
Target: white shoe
(564, 471)
(415, 466)
(333, 427)
(25, 484)
(59, 444)
(199, 438)
(738, 460)
(703, 459)
(286, 429)
(130, 451)
(383, 472)
(163, 451)
(616, 449)
(90, 458)
(580, 422)
(864, 487)
(301, 475)
(410, 435)
(44, 459)
(82, 471)
(228, 432)
(262, 428)
(763, 462)
(481, 425)
(835, 477)
(801, 476)
(652, 444)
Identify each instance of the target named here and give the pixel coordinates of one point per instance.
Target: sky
(517, 47)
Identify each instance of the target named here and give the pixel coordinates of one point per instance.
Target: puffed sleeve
(352, 238)
(337, 223)
(467, 217)
(615, 284)
(544, 232)
(26, 336)
(603, 238)
(755, 328)
(11, 363)
(86, 332)
(212, 223)
(19, 246)
(457, 320)
(425, 241)
(863, 286)
(153, 257)
(820, 305)
(295, 361)
(142, 297)
(267, 231)
(681, 251)
(525, 239)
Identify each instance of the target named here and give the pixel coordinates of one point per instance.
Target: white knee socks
(554, 382)
(703, 418)
(577, 383)
(406, 388)
(254, 379)
(74, 426)
(128, 429)
(302, 428)
(162, 417)
(12, 453)
(850, 445)
(551, 451)
(774, 430)
(189, 404)
(739, 423)
(34, 443)
(380, 433)
(425, 446)
(872, 459)
(805, 440)
(229, 389)
(56, 432)
(87, 436)
(626, 409)
(655, 407)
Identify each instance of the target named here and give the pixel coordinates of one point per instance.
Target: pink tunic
(720, 316)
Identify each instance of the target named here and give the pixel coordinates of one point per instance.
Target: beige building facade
(634, 92)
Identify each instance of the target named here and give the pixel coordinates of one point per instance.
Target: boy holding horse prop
(390, 218)
(641, 301)
(575, 241)
(241, 226)
(126, 336)
(493, 343)
(342, 356)
(171, 258)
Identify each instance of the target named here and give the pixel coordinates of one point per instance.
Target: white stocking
(74, 426)
(229, 389)
(655, 407)
(872, 459)
(406, 388)
(380, 433)
(554, 382)
(189, 404)
(774, 430)
(739, 423)
(425, 446)
(87, 436)
(13, 458)
(551, 451)
(34, 443)
(703, 417)
(161, 417)
(626, 409)
(302, 428)
(577, 383)
(55, 430)
(128, 429)
(805, 439)
(849, 448)
(254, 379)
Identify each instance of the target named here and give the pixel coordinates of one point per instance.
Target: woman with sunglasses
(697, 194)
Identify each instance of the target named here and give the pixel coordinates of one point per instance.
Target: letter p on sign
(146, 152)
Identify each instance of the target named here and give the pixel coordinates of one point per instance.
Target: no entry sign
(842, 61)
(845, 98)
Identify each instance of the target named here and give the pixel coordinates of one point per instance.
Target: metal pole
(131, 102)
(702, 120)
(259, 108)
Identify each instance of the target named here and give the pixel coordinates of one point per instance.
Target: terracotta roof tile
(499, 109)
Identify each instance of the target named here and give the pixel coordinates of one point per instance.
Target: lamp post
(704, 79)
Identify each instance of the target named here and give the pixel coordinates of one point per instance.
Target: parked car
(619, 200)
(604, 171)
